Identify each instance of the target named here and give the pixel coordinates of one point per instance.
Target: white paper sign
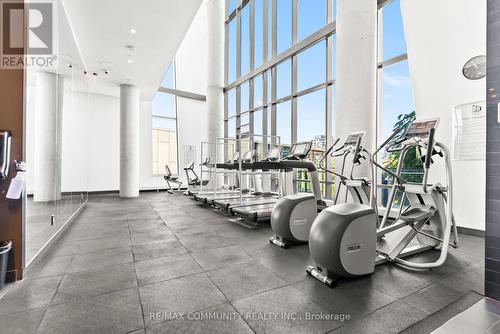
(189, 153)
(469, 132)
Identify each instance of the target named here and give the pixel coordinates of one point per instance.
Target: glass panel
(257, 123)
(269, 29)
(269, 86)
(232, 51)
(245, 130)
(164, 123)
(311, 17)
(394, 42)
(284, 79)
(284, 123)
(231, 103)
(259, 30)
(245, 40)
(284, 25)
(269, 122)
(231, 6)
(397, 108)
(334, 9)
(245, 119)
(257, 91)
(163, 105)
(311, 66)
(397, 98)
(164, 145)
(231, 127)
(245, 96)
(311, 116)
(168, 79)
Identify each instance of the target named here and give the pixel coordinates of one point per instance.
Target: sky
(396, 90)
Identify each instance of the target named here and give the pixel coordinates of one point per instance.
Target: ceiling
(102, 29)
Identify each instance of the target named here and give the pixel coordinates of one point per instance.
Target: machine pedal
(314, 272)
(277, 242)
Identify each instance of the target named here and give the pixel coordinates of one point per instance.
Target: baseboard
(52, 240)
(144, 190)
(470, 231)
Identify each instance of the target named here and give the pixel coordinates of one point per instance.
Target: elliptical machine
(293, 215)
(348, 240)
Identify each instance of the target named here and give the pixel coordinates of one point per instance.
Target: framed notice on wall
(189, 153)
(469, 131)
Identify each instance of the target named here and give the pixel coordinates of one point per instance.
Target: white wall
(441, 36)
(103, 162)
(103, 159)
(191, 75)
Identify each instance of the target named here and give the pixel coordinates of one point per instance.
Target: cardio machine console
(300, 150)
(421, 128)
(274, 154)
(248, 156)
(352, 139)
(235, 157)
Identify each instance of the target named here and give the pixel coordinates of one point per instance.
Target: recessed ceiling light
(493, 95)
(491, 89)
(133, 31)
(130, 61)
(130, 48)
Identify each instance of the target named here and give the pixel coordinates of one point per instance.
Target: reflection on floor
(482, 317)
(38, 220)
(127, 265)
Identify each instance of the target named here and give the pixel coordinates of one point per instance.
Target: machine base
(245, 223)
(278, 242)
(314, 272)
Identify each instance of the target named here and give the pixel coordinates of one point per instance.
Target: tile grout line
(211, 280)
(136, 278)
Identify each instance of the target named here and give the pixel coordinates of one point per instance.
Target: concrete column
(356, 81)
(129, 141)
(48, 137)
(215, 75)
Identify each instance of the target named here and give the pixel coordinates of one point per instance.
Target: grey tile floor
(482, 317)
(130, 266)
(39, 229)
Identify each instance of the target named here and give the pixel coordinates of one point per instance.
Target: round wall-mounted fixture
(475, 68)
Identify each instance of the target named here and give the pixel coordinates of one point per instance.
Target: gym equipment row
(349, 236)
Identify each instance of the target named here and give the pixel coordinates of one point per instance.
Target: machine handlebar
(430, 148)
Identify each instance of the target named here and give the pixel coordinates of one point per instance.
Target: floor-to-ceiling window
(164, 126)
(280, 74)
(395, 99)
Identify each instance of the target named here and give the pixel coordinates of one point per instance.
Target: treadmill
(231, 164)
(296, 159)
(270, 162)
(246, 161)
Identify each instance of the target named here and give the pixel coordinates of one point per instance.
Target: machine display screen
(300, 149)
(274, 153)
(352, 139)
(421, 128)
(248, 155)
